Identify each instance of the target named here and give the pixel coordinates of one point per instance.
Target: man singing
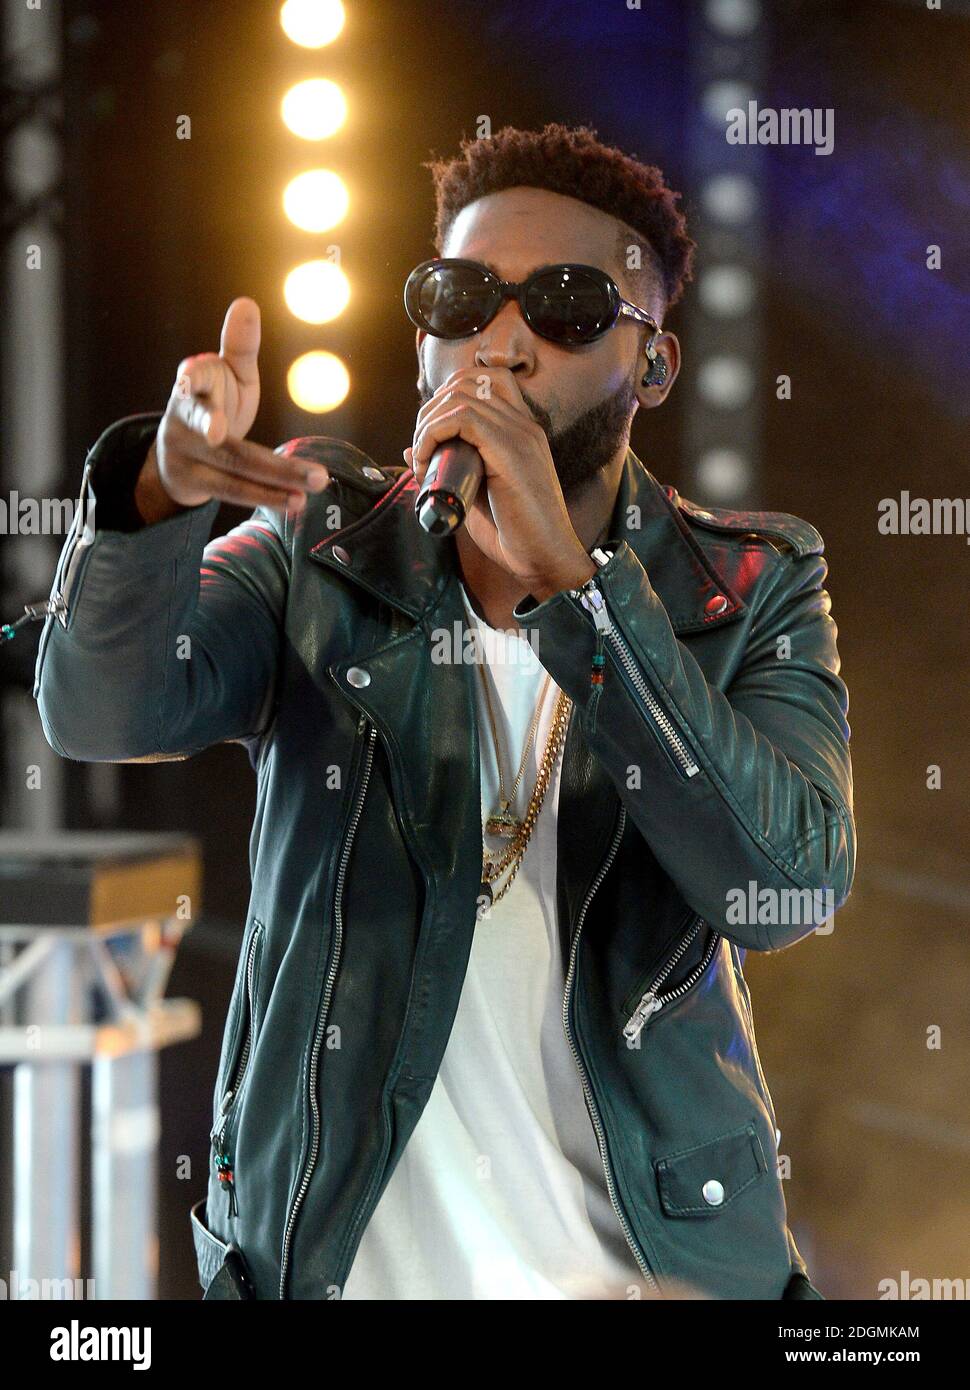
(490, 1036)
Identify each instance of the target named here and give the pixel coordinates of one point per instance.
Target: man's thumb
(239, 343)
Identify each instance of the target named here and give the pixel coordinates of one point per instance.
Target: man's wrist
(571, 576)
(151, 502)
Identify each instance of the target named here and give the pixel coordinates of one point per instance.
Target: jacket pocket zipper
(591, 597)
(223, 1160)
(652, 1001)
(325, 1002)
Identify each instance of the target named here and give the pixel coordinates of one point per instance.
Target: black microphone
(453, 478)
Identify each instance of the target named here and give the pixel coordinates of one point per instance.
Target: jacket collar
(389, 554)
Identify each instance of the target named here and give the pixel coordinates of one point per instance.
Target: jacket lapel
(391, 556)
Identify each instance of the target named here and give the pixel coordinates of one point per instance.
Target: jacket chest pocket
(702, 1180)
(671, 982)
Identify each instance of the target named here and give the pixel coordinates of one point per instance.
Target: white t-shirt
(500, 1192)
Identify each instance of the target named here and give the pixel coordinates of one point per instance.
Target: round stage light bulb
(724, 474)
(738, 18)
(316, 200)
(726, 290)
(314, 109)
(312, 23)
(718, 98)
(316, 291)
(318, 381)
(726, 382)
(729, 198)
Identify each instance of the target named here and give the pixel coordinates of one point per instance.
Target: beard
(587, 446)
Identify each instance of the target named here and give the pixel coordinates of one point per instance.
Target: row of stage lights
(728, 47)
(316, 200)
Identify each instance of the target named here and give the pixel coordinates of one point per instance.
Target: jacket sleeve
(747, 786)
(165, 644)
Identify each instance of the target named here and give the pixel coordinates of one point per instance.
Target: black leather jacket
(712, 761)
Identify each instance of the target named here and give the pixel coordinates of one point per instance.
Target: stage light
(316, 200)
(730, 198)
(736, 18)
(718, 98)
(314, 109)
(312, 23)
(318, 381)
(726, 290)
(316, 291)
(726, 382)
(723, 473)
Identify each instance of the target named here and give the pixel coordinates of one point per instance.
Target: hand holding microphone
(450, 485)
(519, 521)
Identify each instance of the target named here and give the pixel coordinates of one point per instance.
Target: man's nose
(505, 342)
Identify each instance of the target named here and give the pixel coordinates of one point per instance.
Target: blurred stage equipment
(32, 396)
(89, 926)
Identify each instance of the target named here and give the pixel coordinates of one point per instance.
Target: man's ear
(668, 348)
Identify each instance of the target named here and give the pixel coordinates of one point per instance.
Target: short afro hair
(572, 161)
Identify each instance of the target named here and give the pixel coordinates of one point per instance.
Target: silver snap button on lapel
(340, 554)
(358, 677)
(717, 604)
(374, 473)
(713, 1192)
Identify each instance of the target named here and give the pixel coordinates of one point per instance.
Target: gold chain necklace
(503, 822)
(514, 854)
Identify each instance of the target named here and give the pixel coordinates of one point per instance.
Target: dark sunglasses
(567, 304)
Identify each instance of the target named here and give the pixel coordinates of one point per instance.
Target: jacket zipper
(325, 1005)
(397, 623)
(218, 1133)
(72, 555)
(594, 1114)
(652, 1001)
(591, 597)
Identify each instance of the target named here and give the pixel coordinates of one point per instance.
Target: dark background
(161, 234)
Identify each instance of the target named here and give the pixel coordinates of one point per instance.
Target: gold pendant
(504, 824)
